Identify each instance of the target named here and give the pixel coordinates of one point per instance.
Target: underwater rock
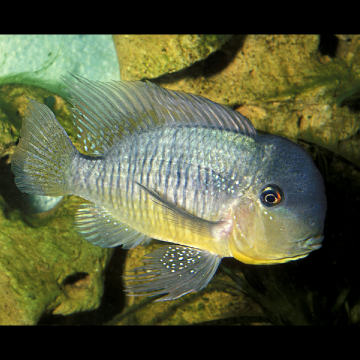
(7, 131)
(46, 267)
(298, 86)
(150, 56)
(13, 103)
(42, 59)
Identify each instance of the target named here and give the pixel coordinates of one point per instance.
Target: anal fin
(175, 270)
(97, 226)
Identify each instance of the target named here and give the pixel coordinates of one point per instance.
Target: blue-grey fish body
(179, 168)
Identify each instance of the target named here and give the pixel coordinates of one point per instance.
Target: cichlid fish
(178, 168)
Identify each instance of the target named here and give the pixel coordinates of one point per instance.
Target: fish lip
(313, 243)
(305, 246)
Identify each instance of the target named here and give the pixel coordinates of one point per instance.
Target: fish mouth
(304, 247)
(313, 243)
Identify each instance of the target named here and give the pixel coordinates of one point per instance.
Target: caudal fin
(42, 159)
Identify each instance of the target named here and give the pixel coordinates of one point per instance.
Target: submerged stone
(45, 267)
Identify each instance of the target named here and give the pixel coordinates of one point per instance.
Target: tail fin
(42, 160)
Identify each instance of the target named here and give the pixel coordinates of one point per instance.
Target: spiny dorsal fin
(181, 217)
(176, 270)
(103, 113)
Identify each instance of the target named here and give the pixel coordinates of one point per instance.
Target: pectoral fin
(181, 217)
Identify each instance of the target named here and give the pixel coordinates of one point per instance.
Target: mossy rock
(45, 267)
(150, 56)
(288, 85)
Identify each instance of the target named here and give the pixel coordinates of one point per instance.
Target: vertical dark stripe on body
(149, 173)
(143, 164)
(150, 165)
(132, 177)
(182, 166)
(98, 177)
(119, 193)
(112, 188)
(102, 171)
(178, 178)
(172, 154)
(186, 182)
(167, 175)
(161, 163)
(128, 182)
(196, 188)
(111, 168)
(206, 198)
(115, 192)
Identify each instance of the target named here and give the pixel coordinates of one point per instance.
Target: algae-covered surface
(48, 269)
(45, 267)
(304, 87)
(150, 56)
(297, 86)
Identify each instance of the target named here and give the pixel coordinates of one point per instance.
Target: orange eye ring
(271, 196)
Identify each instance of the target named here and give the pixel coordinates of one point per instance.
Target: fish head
(281, 215)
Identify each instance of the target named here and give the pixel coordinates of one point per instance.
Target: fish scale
(194, 164)
(179, 168)
(193, 198)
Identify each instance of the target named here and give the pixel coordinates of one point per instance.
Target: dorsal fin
(103, 113)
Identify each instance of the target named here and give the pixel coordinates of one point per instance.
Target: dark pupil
(271, 195)
(270, 198)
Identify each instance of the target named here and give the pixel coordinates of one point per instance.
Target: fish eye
(271, 195)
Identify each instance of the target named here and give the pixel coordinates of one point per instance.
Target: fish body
(178, 168)
(195, 168)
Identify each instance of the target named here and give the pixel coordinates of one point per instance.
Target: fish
(177, 167)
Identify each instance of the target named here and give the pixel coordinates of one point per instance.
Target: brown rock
(150, 56)
(285, 86)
